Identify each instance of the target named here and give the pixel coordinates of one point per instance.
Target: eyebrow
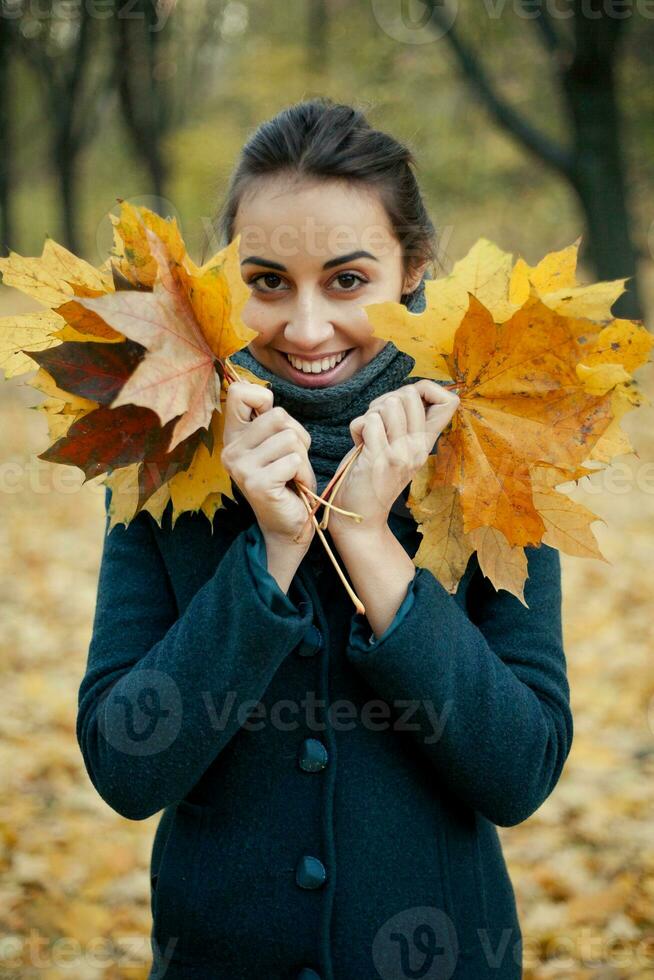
(350, 257)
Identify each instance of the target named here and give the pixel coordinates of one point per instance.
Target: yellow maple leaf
(55, 278)
(186, 323)
(149, 270)
(542, 370)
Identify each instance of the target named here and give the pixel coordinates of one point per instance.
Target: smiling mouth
(319, 366)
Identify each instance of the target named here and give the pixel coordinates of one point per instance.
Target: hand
(262, 454)
(398, 432)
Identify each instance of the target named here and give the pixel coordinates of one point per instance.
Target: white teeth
(316, 367)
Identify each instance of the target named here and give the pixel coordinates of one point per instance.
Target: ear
(413, 278)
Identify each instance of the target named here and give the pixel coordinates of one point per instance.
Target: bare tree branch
(554, 41)
(505, 115)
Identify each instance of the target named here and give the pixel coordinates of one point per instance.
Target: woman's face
(313, 254)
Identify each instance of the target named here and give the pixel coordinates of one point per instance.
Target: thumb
(242, 399)
(442, 404)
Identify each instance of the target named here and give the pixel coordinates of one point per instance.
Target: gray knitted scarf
(326, 413)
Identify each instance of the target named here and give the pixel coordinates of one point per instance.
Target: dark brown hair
(323, 140)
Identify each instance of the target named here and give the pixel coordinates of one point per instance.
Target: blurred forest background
(533, 124)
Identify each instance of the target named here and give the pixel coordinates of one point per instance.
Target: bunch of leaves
(543, 373)
(133, 358)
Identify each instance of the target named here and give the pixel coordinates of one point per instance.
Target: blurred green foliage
(255, 58)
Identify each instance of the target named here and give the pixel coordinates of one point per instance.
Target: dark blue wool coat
(300, 840)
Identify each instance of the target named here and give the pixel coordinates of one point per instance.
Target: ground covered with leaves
(74, 881)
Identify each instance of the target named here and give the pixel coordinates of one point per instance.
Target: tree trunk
(66, 174)
(599, 178)
(7, 240)
(143, 98)
(158, 176)
(584, 65)
(317, 47)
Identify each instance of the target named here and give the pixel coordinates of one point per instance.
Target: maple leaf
(186, 323)
(542, 371)
(141, 405)
(429, 336)
(132, 258)
(95, 372)
(54, 278)
(199, 487)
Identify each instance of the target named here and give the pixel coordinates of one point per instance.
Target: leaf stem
(358, 605)
(338, 472)
(347, 513)
(336, 483)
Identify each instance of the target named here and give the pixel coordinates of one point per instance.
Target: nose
(308, 326)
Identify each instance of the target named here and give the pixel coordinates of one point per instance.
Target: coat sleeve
(163, 694)
(489, 690)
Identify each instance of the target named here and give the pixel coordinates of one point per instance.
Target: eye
(254, 281)
(272, 281)
(358, 280)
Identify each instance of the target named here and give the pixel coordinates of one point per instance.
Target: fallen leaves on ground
(582, 865)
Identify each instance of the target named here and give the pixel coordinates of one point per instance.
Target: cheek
(257, 317)
(358, 328)
(371, 347)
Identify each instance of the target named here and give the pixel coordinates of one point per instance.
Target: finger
(442, 404)
(305, 473)
(415, 411)
(275, 446)
(373, 433)
(280, 444)
(380, 399)
(356, 426)
(435, 394)
(436, 413)
(438, 417)
(275, 419)
(241, 400)
(284, 470)
(394, 418)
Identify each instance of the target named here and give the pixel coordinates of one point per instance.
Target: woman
(331, 782)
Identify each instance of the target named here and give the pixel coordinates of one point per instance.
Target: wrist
(379, 568)
(283, 557)
(349, 530)
(283, 544)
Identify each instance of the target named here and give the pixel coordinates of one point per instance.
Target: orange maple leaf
(186, 323)
(542, 372)
(101, 414)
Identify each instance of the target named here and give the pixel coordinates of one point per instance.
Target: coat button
(311, 642)
(310, 872)
(313, 755)
(308, 974)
